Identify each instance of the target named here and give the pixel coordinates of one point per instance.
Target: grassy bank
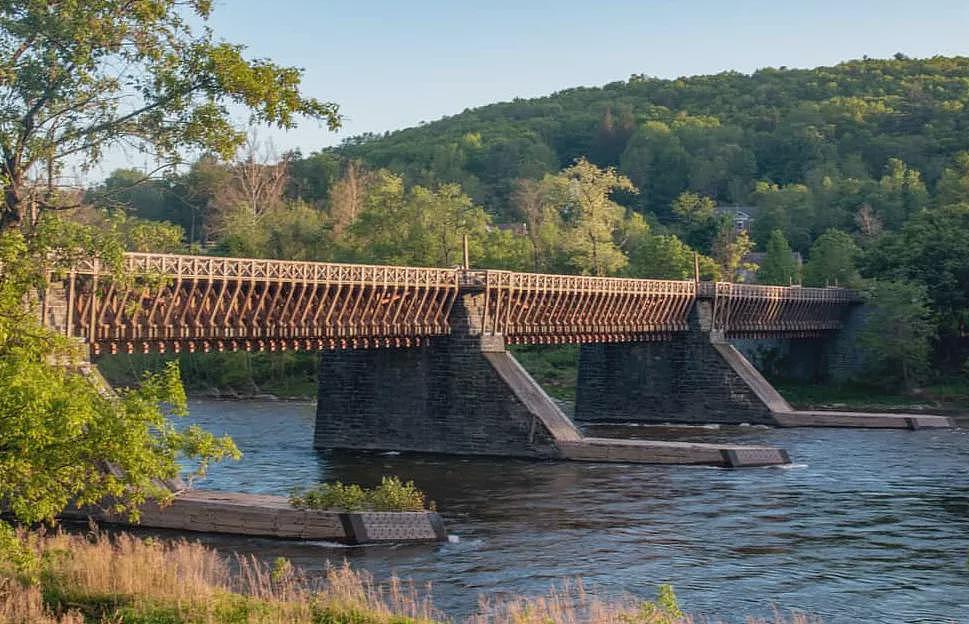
(555, 368)
(951, 395)
(70, 579)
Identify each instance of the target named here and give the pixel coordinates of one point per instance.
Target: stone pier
(466, 394)
(699, 377)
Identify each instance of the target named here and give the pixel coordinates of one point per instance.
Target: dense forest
(861, 170)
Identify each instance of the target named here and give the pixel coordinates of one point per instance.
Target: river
(865, 526)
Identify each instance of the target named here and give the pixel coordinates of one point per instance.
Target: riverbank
(947, 398)
(97, 579)
(294, 376)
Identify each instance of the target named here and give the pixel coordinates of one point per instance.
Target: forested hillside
(862, 168)
(834, 129)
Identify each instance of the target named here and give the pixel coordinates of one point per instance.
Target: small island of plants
(391, 495)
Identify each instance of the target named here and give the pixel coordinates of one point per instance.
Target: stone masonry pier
(466, 394)
(699, 377)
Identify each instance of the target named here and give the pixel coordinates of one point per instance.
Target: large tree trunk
(12, 215)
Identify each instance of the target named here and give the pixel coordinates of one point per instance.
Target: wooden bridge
(180, 302)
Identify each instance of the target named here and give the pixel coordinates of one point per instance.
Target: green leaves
(87, 76)
(897, 334)
(391, 495)
(779, 267)
(833, 261)
(65, 438)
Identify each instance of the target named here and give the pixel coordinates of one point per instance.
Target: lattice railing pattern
(176, 302)
(749, 310)
(207, 303)
(533, 308)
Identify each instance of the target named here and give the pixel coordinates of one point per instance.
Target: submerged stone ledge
(619, 450)
(263, 515)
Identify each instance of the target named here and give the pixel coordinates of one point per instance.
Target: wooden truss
(177, 302)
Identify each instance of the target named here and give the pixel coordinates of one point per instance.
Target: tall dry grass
(24, 605)
(109, 578)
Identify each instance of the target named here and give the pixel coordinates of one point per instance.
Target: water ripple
(866, 526)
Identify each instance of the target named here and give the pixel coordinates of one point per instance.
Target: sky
(392, 65)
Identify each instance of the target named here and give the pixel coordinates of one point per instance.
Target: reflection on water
(868, 526)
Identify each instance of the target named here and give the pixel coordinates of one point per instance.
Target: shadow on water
(867, 526)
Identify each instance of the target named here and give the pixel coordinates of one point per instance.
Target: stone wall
(446, 397)
(801, 359)
(843, 359)
(833, 358)
(682, 380)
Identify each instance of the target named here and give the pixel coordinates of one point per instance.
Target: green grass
(555, 368)
(944, 394)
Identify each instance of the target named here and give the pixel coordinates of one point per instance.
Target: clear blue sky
(394, 64)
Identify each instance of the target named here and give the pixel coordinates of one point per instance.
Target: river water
(866, 526)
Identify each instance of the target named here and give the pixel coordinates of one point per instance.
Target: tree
(592, 220)
(729, 249)
(697, 219)
(256, 186)
(694, 209)
(932, 250)
(869, 224)
(419, 226)
(196, 189)
(954, 184)
(832, 261)
(900, 193)
(779, 266)
(528, 202)
(80, 78)
(897, 334)
(657, 163)
(346, 196)
(667, 257)
(789, 209)
(60, 431)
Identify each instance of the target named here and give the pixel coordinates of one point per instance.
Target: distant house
(741, 216)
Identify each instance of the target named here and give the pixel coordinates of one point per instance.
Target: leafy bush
(391, 495)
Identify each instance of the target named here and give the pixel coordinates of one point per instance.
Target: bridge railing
(213, 303)
(216, 267)
(753, 310)
(543, 308)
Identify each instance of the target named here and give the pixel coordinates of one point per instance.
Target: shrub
(391, 495)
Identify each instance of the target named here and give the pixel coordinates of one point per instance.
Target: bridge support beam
(692, 378)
